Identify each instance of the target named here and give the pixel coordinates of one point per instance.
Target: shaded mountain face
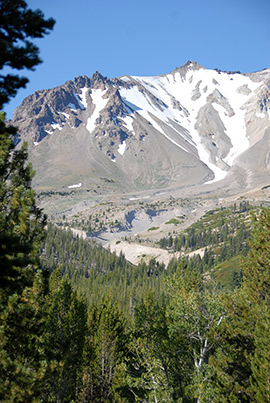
(188, 127)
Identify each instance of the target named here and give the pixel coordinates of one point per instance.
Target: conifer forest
(81, 324)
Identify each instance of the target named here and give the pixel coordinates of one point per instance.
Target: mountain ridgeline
(188, 127)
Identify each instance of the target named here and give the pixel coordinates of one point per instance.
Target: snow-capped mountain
(188, 127)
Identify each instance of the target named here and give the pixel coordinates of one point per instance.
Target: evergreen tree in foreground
(22, 366)
(22, 288)
(64, 340)
(257, 291)
(105, 352)
(241, 363)
(18, 26)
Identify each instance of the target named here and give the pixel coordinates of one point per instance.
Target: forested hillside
(216, 243)
(79, 324)
(96, 272)
(155, 334)
(221, 235)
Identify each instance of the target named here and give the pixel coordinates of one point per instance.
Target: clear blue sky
(147, 37)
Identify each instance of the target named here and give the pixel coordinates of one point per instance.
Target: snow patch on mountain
(100, 103)
(78, 185)
(148, 110)
(128, 120)
(65, 114)
(196, 123)
(81, 98)
(122, 148)
(56, 126)
(235, 130)
(192, 92)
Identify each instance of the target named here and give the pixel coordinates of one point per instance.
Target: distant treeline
(150, 334)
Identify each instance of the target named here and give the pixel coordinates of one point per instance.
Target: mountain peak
(182, 128)
(189, 65)
(99, 81)
(98, 76)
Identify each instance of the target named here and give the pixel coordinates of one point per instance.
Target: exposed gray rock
(218, 98)
(153, 139)
(244, 90)
(196, 92)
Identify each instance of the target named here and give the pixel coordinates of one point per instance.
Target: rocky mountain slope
(189, 127)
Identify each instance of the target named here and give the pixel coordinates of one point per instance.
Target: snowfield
(158, 103)
(100, 103)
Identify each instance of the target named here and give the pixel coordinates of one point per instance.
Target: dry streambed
(137, 234)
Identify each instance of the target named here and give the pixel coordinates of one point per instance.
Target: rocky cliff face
(188, 127)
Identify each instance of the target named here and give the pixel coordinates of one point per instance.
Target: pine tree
(256, 285)
(22, 310)
(18, 24)
(21, 221)
(260, 361)
(150, 373)
(104, 353)
(22, 289)
(241, 363)
(64, 340)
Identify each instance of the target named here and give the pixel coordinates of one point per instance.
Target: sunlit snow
(203, 82)
(122, 148)
(65, 114)
(100, 103)
(145, 107)
(235, 130)
(83, 97)
(128, 120)
(260, 115)
(56, 126)
(78, 185)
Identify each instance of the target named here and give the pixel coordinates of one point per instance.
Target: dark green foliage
(257, 264)
(96, 271)
(151, 372)
(22, 309)
(22, 364)
(21, 222)
(226, 227)
(22, 290)
(241, 363)
(195, 311)
(231, 362)
(260, 363)
(143, 342)
(222, 236)
(18, 26)
(256, 286)
(189, 340)
(64, 341)
(105, 352)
